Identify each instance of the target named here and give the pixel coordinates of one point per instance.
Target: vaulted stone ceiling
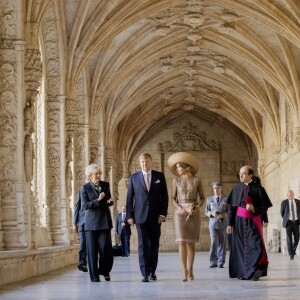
(151, 60)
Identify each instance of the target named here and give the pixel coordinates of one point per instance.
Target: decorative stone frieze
(231, 167)
(188, 139)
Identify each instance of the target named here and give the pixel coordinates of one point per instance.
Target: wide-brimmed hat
(183, 157)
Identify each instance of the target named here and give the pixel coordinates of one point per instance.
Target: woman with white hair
(96, 199)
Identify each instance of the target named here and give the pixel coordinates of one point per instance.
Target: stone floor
(283, 282)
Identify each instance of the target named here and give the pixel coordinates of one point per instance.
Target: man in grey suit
(147, 206)
(216, 211)
(78, 221)
(290, 212)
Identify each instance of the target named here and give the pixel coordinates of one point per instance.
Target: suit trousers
(125, 242)
(148, 246)
(99, 252)
(82, 248)
(292, 229)
(217, 246)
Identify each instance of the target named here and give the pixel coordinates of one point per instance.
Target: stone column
(56, 191)
(24, 145)
(14, 215)
(33, 74)
(80, 153)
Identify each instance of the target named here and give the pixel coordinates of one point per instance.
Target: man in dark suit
(124, 231)
(78, 221)
(290, 212)
(147, 205)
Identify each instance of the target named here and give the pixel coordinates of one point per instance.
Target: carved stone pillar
(95, 150)
(14, 214)
(56, 193)
(80, 153)
(71, 127)
(33, 74)
(108, 158)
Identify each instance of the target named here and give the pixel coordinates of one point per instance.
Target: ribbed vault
(148, 61)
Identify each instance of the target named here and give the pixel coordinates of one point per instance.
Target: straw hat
(182, 157)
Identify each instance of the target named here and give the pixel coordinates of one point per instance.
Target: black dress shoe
(82, 268)
(95, 280)
(291, 257)
(212, 266)
(257, 275)
(220, 266)
(107, 277)
(153, 276)
(145, 278)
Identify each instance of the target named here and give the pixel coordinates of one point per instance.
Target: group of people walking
(237, 217)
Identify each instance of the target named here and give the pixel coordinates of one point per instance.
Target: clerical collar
(247, 183)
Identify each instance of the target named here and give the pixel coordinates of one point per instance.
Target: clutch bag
(188, 207)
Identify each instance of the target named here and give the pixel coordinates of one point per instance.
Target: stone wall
(19, 265)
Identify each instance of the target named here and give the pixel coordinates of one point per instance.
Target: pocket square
(157, 181)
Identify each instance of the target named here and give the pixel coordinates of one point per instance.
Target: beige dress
(187, 192)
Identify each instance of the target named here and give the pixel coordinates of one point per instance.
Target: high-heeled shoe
(190, 275)
(184, 278)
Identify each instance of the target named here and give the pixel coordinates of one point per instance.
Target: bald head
(290, 195)
(246, 174)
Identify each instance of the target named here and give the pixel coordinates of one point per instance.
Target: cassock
(247, 252)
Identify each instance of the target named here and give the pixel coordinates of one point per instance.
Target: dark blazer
(285, 211)
(119, 228)
(97, 213)
(79, 212)
(141, 203)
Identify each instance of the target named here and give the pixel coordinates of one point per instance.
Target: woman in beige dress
(185, 190)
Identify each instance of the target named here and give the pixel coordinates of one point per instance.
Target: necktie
(293, 212)
(147, 182)
(218, 200)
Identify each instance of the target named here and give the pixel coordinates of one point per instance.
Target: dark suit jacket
(285, 211)
(142, 204)
(119, 228)
(97, 213)
(79, 212)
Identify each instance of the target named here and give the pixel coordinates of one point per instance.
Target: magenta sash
(245, 213)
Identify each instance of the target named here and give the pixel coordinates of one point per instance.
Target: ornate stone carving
(188, 139)
(226, 27)
(195, 5)
(108, 161)
(195, 36)
(7, 77)
(194, 20)
(231, 167)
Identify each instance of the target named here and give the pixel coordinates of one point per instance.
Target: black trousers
(292, 230)
(99, 252)
(82, 249)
